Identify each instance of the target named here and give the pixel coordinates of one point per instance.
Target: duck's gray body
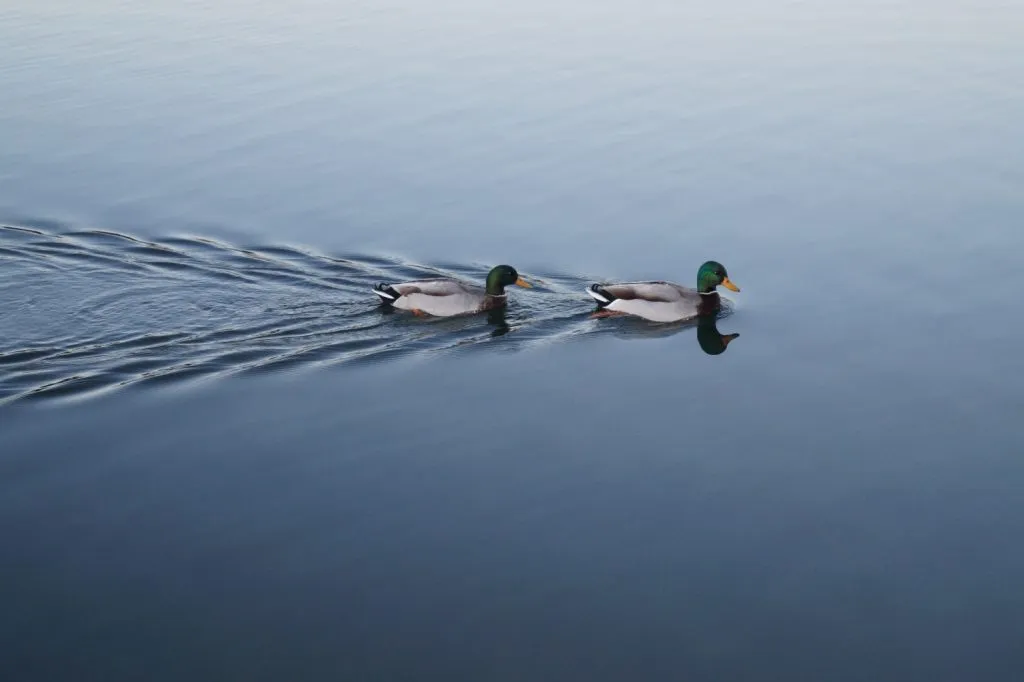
(655, 301)
(441, 296)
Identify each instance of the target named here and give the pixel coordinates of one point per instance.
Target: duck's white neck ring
(708, 293)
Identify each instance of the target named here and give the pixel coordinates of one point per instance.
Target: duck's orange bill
(727, 283)
(727, 339)
(523, 283)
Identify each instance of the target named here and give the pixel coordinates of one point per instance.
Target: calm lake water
(220, 460)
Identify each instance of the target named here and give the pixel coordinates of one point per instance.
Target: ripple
(90, 311)
(14, 232)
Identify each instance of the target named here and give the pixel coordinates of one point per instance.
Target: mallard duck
(444, 296)
(664, 301)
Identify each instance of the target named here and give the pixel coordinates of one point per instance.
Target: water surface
(219, 459)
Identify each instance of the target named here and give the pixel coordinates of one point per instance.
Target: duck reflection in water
(710, 339)
(496, 318)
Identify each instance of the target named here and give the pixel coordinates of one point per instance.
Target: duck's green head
(711, 275)
(502, 276)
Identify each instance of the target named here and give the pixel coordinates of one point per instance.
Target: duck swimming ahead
(445, 296)
(664, 301)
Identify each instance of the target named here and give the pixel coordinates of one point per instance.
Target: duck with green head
(445, 296)
(664, 301)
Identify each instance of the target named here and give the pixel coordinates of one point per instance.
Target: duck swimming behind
(445, 296)
(664, 301)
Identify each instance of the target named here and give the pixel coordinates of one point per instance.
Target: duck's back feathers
(655, 301)
(438, 286)
(656, 292)
(440, 296)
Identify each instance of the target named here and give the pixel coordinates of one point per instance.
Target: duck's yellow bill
(727, 339)
(523, 283)
(727, 283)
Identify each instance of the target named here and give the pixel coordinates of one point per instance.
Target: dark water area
(220, 459)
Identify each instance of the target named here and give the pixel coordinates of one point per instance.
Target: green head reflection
(712, 341)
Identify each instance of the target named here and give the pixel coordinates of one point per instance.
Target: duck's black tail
(600, 294)
(386, 292)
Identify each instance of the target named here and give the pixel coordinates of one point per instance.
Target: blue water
(220, 460)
